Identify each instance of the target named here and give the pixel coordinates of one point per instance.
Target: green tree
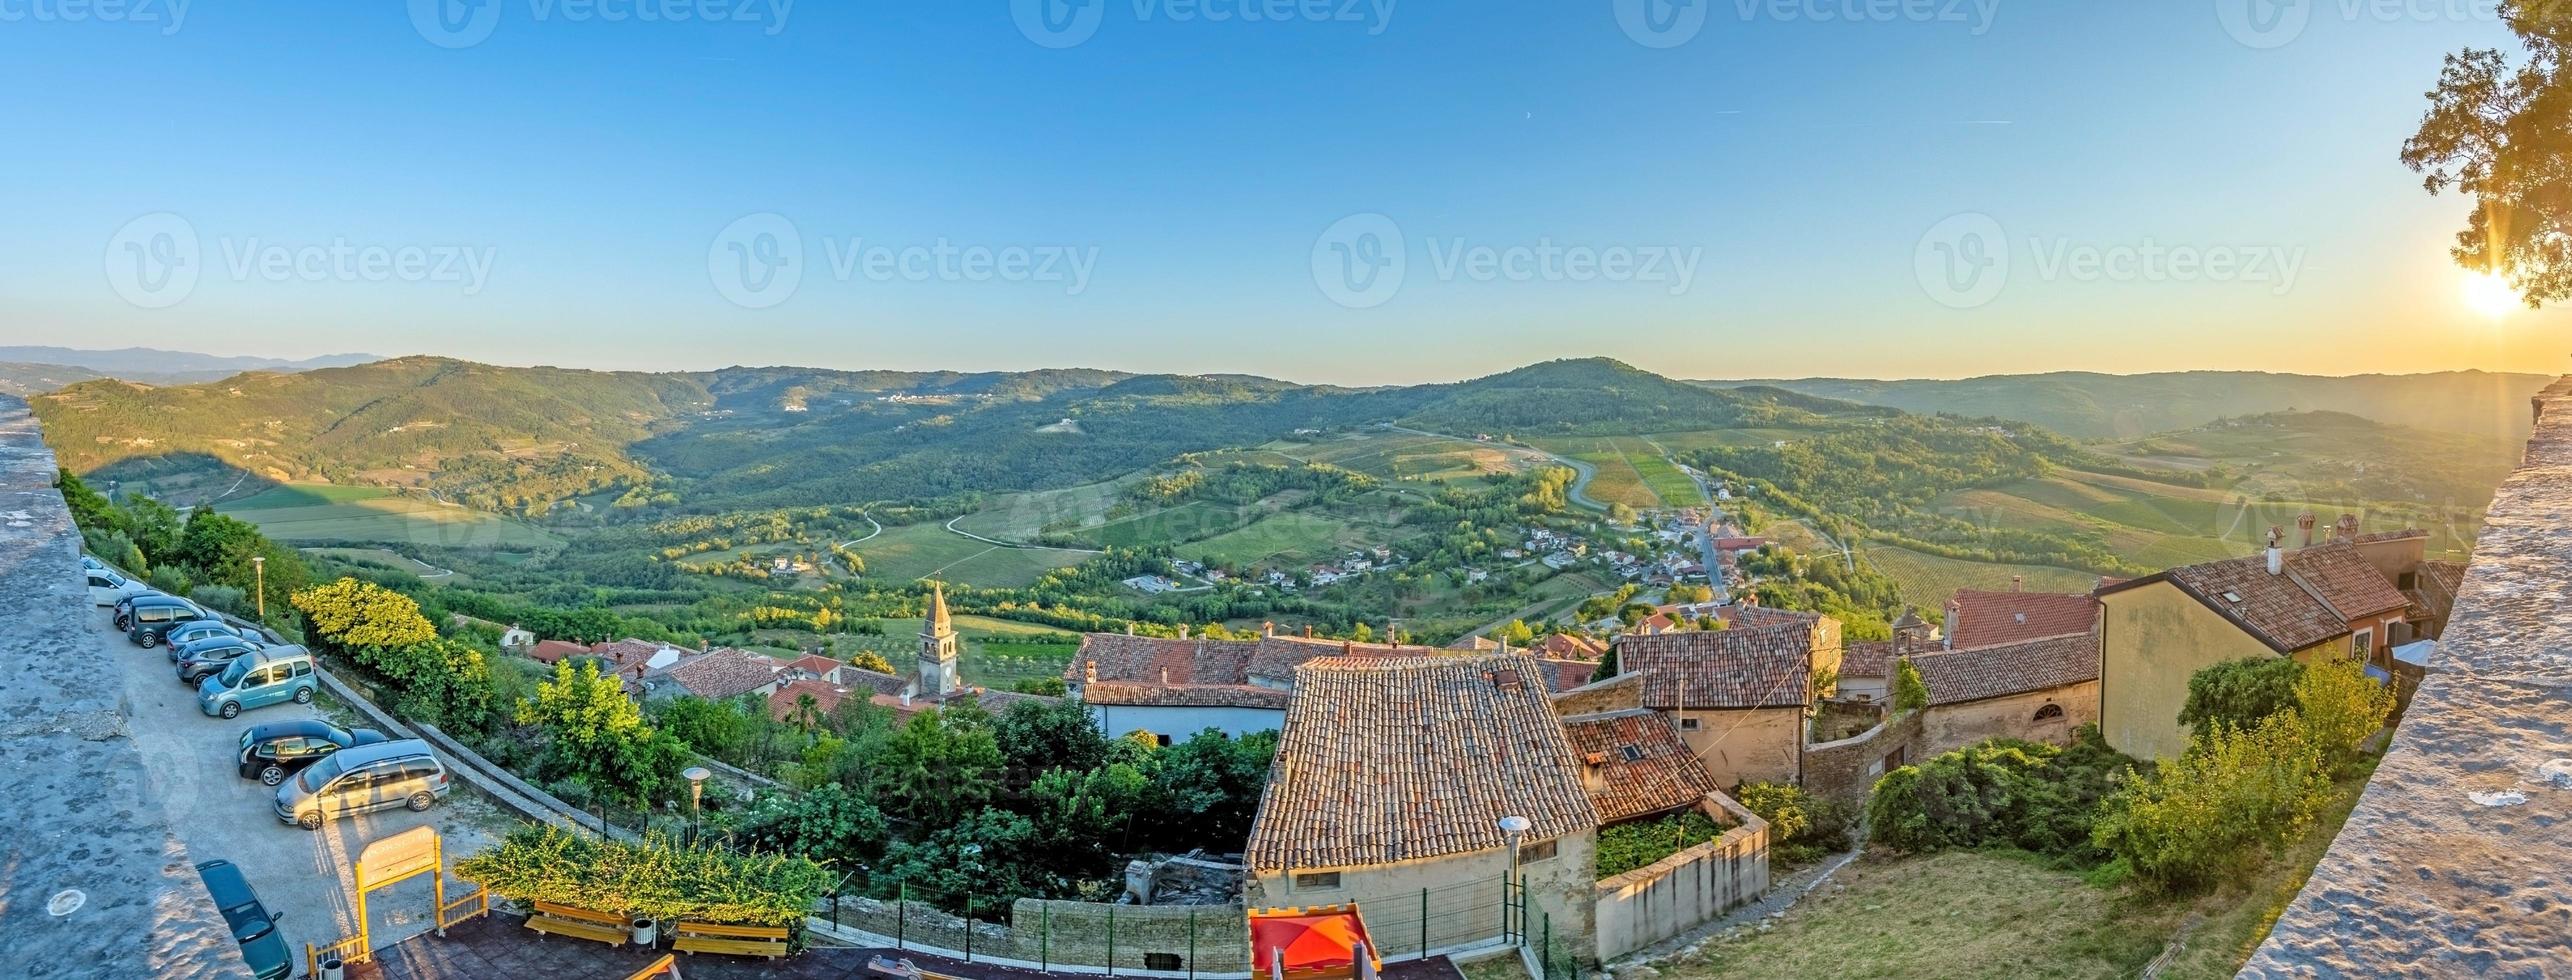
(981, 858)
(90, 510)
(2342, 708)
(1517, 633)
(440, 681)
(595, 736)
(1038, 736)
(828, 824)
(2234, 798)
(2495, 132)
(349, 613)
(871, 660)
(2239, 693)
(938, 767)
(716, 728)
(1910, 693)
(1083, 818)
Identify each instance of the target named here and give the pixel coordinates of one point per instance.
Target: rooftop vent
(2231, 596)
(1631, 753)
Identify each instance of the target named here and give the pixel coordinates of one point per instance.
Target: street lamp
(1516, 827)
(259, 571)
(696, 798)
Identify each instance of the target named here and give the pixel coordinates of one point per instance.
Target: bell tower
(939, 678)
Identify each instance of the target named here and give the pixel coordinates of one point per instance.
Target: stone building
(2331, 599)
(2039, 690)
(1741, 696)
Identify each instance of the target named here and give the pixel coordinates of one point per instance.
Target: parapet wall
(2453, 863)
(86, 838)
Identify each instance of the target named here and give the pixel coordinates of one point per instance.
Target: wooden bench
(580, 923)
(706, 937)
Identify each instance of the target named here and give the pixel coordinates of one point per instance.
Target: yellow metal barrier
(666, 966)
(480, 901)
(350, 950)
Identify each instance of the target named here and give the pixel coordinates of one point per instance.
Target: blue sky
(1764, 193)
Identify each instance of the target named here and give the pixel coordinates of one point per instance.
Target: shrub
(2342, 708)
(2236, 796)
(1910, 693)
(1641, 843)
(654, 877)
(828, 824)
(2000, 793)
(1801, 827)
(2240, 693)
(224, 598)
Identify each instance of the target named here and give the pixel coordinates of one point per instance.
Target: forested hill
(2098, 406)
(525, 439)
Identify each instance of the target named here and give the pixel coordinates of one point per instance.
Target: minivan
(150, 616)
(362, 778)
(257, 679)
(252, 925)
(209, 656)
(274, 751)
(106, 587)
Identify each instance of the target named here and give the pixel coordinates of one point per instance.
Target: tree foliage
(350, 614)
(2496, 132)
(2341, 708)
(655, 878)
(2237, 796)
(1910, 693)
(2239, 693)
(2000, 792)
(595, 736)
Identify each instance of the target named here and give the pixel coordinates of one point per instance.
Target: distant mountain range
(27, 370)
(2123, 406)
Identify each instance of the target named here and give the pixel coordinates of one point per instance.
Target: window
(1161, 961)
(1161, 740)
(1687, 724)
(1318, 879)
(1632, 753)
(2051, 712)
(1532, 853)
(2407, 581)
(2363, 644)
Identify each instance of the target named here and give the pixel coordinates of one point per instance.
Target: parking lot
(306, 875)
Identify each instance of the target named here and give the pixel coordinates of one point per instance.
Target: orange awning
(1314, 941)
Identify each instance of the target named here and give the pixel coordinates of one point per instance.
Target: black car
(205, 657)
(146, 618)
(253, 926)
(125, 607)
(272, 752)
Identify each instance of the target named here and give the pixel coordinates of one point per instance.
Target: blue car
(258, 679)
(253, 926)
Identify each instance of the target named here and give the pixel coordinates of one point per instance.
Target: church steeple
(939, 677)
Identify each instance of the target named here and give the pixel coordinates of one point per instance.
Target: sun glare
(2489, 294)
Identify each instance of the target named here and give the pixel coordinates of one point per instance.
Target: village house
(719, 675)
(1979, 618)
(2038, 690)
(2336, 598)
(1741, 696)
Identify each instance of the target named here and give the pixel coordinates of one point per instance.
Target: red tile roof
(724, 673)
(1139, 670)
(816, 665)
(1977, 618)
(826, 697)
(1988, 672)
(553, 651)
(2320, 592)
(1389, 759)
(1636, 764)
(1747, 666)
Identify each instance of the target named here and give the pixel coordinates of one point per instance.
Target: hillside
(154, 365)
(2106, 406)
(1597, 396)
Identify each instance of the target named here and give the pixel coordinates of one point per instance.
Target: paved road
(304, 874)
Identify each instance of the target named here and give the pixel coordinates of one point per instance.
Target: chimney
(1308, 631)
(2304, 528)
(1955, 615)
(2015, 581)
(2346, 529)
(1089, 671)
(1183, 631)
(1348, 647)
(1129, 627)
(1165, 677)
(2276, 551)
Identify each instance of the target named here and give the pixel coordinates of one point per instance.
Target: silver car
(362, 778)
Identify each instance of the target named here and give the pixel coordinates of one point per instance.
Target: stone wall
(1687, 889)
(1846, 770)
(1203, 938)
(1623, 692)
(1954, 726)
(2453, 862)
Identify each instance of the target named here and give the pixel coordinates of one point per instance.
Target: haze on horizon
(1414, 194)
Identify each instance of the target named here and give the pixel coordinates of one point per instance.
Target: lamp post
(259, 572)
(696, 798)
(1516, 827)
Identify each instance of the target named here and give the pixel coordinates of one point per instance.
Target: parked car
(91, 563)
(186, 633)
(258, 679)
(210, 656)
(253, 926)
(147, 618)
(367, 777)
(106, 587)
(125, 606)
(274, 751)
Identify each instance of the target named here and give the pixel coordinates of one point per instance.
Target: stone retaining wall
(1846, 770)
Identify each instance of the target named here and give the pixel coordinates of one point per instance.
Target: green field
(309, 512)
(388, 558)
(1024, 516)
(1630, 471)
(1407, 456)
(918, 551)
(1927, 580)
(1290, 538)
(1186, 522)
(997, 652)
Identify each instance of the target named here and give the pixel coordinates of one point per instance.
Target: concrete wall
(1747, 745)
(1687, 889)
(1623, 692)
(1846, 770)
(1207, 939)
(2152, 638)
(1954, 726)
(1463, 892)
(1181, 722)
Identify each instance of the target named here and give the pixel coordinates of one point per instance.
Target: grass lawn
(1023, 516)
(1293, 537)
(1403, 456)
(917, 551)
(1928, 580)
(1186, 522)
(308, 512)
